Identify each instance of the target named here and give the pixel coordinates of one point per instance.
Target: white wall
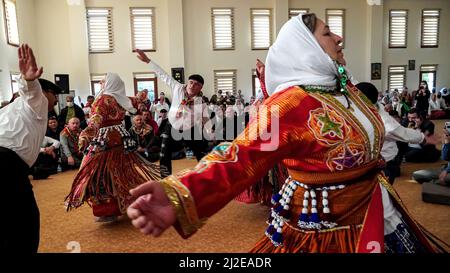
(439, 56)
(202, 59)
(123, 61)
(355, 51)
(62, 43)
(8, 53)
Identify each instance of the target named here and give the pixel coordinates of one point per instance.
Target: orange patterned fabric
(323, 145)
(316, 135)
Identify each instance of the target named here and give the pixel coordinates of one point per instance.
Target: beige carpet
(233, 229)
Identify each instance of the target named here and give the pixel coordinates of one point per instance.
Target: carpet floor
(234, 229)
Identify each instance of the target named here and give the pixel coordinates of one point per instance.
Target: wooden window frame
(7, 22)
(254, 77)
(136, 80)
(252, 34)
(422, 28)
(396, 73)
(234, 89)
(93, 82)
(233, 42)
(433, 71)
(13, 80)
(343, 23)
(390, 29)
(110, 30)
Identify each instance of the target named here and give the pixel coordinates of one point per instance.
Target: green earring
(343, 79)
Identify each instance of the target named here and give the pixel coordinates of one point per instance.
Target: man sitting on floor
(70, 154)
(439, 176)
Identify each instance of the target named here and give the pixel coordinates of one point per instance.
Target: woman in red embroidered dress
(327, 134)
(111, 166)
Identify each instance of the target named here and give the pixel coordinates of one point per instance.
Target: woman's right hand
(151, 212)
(142, 56)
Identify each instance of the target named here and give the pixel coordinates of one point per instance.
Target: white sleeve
(55, 143)
(32, 94)
(395, 131)
(407, 135)
(166, 78)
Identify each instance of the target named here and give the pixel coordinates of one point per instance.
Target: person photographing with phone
(423, 98)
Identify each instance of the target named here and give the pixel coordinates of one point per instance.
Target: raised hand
(260, 66)
(152, 213)
(142, 56)
(27, 63)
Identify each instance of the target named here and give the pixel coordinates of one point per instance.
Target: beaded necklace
(339, 89)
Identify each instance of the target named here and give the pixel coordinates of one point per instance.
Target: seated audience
(439, 176)
(70, 111)
(147, 142)
(421, 153)
(71, 156)
(148, 119)
(156, 108)
(47, 161)
(434, 110)
(53, 130)
(394, 132)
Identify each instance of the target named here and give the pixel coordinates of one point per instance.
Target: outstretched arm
(171, 82)
(193, 195)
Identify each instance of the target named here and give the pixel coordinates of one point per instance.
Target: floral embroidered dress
(336, 198)
(111, 167)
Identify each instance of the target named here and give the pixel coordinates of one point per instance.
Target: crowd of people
(331, 136)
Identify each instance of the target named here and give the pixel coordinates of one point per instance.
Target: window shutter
(222, 21)
(430, 28)
(397, 77)
(336, 22)
(225, 80)
(100, 30)
(97, 77)
(428, 68)
(144, 75)
(12, 29)
(261, 24)
(296, 12)
(398, 23)
(143, 28)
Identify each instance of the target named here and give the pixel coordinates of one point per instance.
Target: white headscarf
(115, 87)
(296, 58)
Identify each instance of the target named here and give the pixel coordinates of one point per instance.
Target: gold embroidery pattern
(371, 112)
(327, 126)
(348, 117)
(181, 199)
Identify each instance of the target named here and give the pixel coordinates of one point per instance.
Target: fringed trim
(432, 242)
(335, 240)
(246, 197)
(263, 190)
(110, 174)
